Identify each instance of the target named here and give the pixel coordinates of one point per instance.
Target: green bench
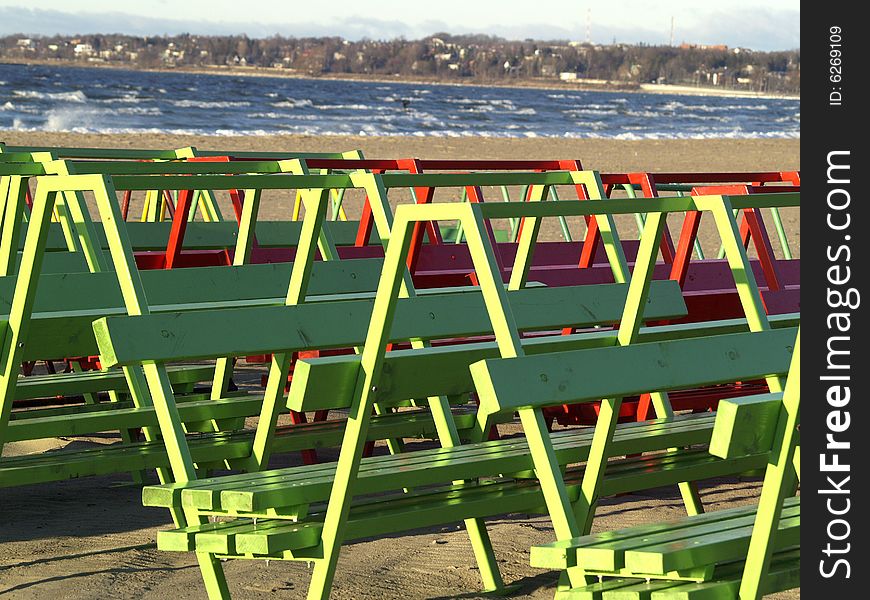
(50, 316)
(307, 513)
(741, 553)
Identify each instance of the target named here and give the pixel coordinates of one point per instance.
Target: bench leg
(394, 445)
(128, 436)
(688, 489)
(485, 557)
(448, 435)
(213, 576)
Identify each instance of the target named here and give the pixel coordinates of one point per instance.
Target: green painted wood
(228, 446)
(745, 426)
(209, 235)
(167, 495)
(128, 418)
(715, 546)
(67, 304)
(284, 487)
(343, 323)
(576, 376)
(615, 589)
(380, 515)
(604, 551)
(70, 384)
(784, 574)
(218, 285)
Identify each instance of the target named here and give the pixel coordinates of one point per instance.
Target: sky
(761, 25)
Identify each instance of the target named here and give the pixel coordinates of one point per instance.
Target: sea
(98, 100)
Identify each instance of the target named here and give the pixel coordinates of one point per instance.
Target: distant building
(720, 47)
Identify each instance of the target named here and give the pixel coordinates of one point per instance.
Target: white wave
(646, 114)
(290, 103)
(493, 102)
(8, 106)
(208, 104)
(343, 107)
(129, 98)
(72, 119)
(77, 96)
(578, 112)
(136, 110)
(526, 111)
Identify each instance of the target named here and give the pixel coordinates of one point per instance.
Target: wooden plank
(582, 375)
(67, 304)
(236, 445)
(343, 323)
(83, 382)
(286, 487)
(709, 547)
(208, 236)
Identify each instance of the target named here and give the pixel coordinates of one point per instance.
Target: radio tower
(588, 25)
(672, 30)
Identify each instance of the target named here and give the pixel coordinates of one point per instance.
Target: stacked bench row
(307, 512)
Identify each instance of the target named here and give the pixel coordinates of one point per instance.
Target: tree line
(478, 58)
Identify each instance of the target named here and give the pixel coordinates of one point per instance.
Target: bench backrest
(572, 377)
(66, 304)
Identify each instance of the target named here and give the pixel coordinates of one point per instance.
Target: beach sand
(600, 154)
(91, 538)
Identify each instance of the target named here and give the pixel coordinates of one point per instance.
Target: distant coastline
(540, 83)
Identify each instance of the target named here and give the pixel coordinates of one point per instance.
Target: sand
(92, 538)
(604, 155)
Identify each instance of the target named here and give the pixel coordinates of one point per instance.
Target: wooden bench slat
(66, 305)
(376, 515)
(126, 340)
(301, 486)
(328, 382)
(235, 445)
(783, 574)
(685, 427)
(80, 382)
(577, 375)
(208, 236)
(603, 551)
(715, 547)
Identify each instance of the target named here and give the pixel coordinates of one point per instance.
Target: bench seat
(783, 574)
(662, 548)
(209, 448)
(89, 382)
(377, 515)
(251, 492)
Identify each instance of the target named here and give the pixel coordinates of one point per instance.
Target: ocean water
(41, 98)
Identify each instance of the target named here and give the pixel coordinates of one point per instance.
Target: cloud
(762, 29)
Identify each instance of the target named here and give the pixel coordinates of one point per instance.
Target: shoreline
(644, 88)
